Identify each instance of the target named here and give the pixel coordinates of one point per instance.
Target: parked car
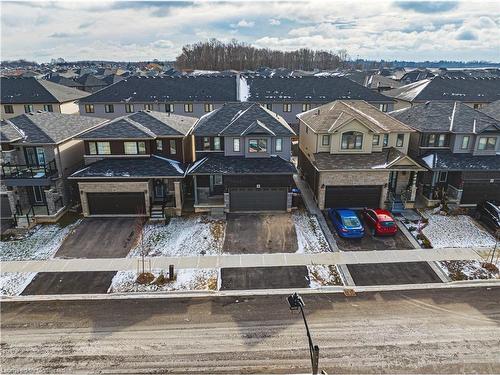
(380, 221)
(346, 223)
(489, 213)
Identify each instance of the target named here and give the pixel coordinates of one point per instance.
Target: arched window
(352, 141)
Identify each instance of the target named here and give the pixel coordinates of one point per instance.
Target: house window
(206, 143)
(159, 145)
(383, 107)
(236, 144)
(209, 107)
(385, 141)
(8, 108)
(269, 106)
(279, 144)
(435, 140)
(352, 141)
(400, 140)
(169, 108)
(478, 106)
(287, 107)
(28, 108)
(109, 108)
(217, 143)
(217, 179)
(134, 148)
(257, 145)
(89, 108)
(487, 143)
(99, 148)
(148, 107)
(376, 140)
(129, 108)
(442, 176)
(48, 108)
(465, 142)
(188, 107)
(325, 140)
(306, 107)
(307, 129)
(173, 147)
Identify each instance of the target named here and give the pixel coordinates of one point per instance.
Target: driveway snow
(183, 236)
(455, 231)
(466, 270)
(13, 283)
(310, 237)
(323, 275)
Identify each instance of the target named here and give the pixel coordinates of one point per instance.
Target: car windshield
(387, 224)
(351, 222)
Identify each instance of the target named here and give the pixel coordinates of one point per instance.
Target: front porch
(436, 186)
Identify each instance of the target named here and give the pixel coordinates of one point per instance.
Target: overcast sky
(131, 31)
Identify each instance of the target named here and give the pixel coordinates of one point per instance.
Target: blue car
(347, 223)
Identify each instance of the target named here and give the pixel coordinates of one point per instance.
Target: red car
(380, 222)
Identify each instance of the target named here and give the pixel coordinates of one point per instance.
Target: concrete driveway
(99, 238)
(260, 233)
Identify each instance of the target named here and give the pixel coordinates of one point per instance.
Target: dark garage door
(116, 203)
(352, 196)
(264, 199)
(475, 192)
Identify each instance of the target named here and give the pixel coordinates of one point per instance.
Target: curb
(254, 292)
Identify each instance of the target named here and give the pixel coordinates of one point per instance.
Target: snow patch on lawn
(310, 237)
(13, 283)
(466, 270)
(323, 275)
(456, 231)
(183, 236)
(186, 279)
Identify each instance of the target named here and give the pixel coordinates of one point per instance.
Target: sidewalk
(244, 261)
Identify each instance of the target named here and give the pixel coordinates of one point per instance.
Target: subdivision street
(428, 331)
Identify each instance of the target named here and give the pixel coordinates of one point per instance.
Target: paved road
(440, 331)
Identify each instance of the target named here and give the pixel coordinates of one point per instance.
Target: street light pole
(295, 302)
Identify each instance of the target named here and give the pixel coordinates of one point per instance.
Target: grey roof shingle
(9, 133)
(442, 88)
(167, 89)
(153, 166)
(492, 109)
(32, 90)
(233, 119)
(315, 89)
(449, 161)
(164, 124)
(50, 127)
(234, 165)
(437, 116)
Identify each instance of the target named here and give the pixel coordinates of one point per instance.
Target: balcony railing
(28, 171)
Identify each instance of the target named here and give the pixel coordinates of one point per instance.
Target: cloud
(243, 23)
(162, 43)
(86, 25)
(274, 22)
(64, 35)
(466, 35)
(427, 6)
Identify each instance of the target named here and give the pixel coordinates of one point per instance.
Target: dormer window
(400, 140)
(9, 108)
(435, 140)
(48, 108)
(487, 143)
(169, 108)
(287, 107)
(109, 108)
(383, 107)
(89, 108)
(257, 145)
(352, 141)
(325, 140)
(306, 107)
(28, 108)
(148, 107)
(209, 107)
(279, 144)
(188, 107)
(129, 108)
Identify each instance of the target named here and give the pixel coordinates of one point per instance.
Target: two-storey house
(38, 153)
(26, 95)
(191, 96)
(353, 155)
(136, 165)
(242, 162)
(460, 146)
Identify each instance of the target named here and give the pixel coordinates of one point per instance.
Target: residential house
(460, 146)
(136, 165)
(25, 95)
(242, 162)
(38, 153)
(475, 92)
(353, 155)
(191, 96)
(381, 83)
(90, 83)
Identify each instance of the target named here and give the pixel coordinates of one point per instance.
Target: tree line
(234, 55)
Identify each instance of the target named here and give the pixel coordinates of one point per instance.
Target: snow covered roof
(235, 165)
(449, 161)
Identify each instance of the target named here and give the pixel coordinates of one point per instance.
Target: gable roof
(449, 161)
(452, 117)
(234, 165)
(32, 90)
(316, 89)
(65, 81)
(332, 116)
(167, 89)
(89, 80)
(49, 127)
(492, 109)
(444, 88)
(142, 125)
(234, 119)
(9, 133)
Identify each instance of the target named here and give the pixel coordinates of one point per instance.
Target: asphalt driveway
(392, 273)
(69, 283)
(264, 278)
(260, 233)
(99, 238)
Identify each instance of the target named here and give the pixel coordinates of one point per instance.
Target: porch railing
(28, 171)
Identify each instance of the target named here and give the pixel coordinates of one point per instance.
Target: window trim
(306, 107)
(257, 141)
(169, 107)
(97, 149)
(236, 145)
(355, 136)
(327, 137)
(148, 107)
(206, 141)
(280, 148)
(159, 144)
(188, 107)
(109, 108)
(28, 108)
(48, 108)
(383, 107)
(172, 147)
(138, 149)
(287, 107)
(219, 146)
(487, 143)
(129, 108)
(208, 106)
(400, 140)
(385, 140)
(377, 137)
(10, 107)
(89, 108)
(465, 137)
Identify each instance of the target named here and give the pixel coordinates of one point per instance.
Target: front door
(216, 184)
(159, 190)
(393, 181)
(38, 194)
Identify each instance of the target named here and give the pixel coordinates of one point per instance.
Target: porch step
(397, 207)
(157, 213)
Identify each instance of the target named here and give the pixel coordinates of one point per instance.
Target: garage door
(116, 203)
(475, 192)
(352, 196)
(264, 199)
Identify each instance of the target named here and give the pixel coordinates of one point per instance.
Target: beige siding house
(353, 155)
